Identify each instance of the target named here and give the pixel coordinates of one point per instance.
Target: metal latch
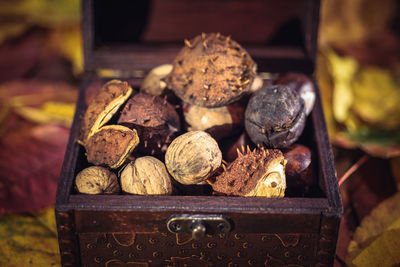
(199, 225)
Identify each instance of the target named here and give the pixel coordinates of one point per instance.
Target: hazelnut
(211, 71)
(260, 172)
(275, 116)
(155, 120)
(192, 157)
(100, 110)
(97, 180)
(303, 85)
(154, 83)
(111, 145)
(146, 176)
(218, 122)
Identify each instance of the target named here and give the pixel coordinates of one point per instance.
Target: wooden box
(131, 37)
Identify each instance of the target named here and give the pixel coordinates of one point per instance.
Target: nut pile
(205, 120)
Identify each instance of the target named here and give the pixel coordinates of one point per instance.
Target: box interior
(280, 35)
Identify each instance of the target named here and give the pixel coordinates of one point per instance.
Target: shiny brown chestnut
(300, 176)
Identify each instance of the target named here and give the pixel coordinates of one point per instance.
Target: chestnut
(275, 116)
(302, 84)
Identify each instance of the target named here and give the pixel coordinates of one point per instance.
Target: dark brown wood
(279, 35)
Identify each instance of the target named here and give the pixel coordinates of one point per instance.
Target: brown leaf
(30, 164)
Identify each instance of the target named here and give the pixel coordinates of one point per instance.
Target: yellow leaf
(342, 70)
(50, 112)
(376, 240)
(377, 95)
(29, 240)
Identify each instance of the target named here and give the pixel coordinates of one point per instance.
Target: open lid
(139, 35)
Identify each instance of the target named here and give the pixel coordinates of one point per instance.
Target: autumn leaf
(29, 239)
(376, 241)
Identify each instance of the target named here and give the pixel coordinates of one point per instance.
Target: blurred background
(357, 69)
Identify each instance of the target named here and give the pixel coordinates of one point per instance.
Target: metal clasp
(199, 225)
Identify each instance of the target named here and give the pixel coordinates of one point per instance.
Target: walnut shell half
(111, 145)
(146, 176)
(192, 157)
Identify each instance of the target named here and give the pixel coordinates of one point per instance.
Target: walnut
(154, 83)
(192, 157)
(97, 180)
(106, 103)
(260, 172)
(211, 71)
(146, 176)
(111, 145)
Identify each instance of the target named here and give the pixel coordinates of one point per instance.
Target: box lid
(139, 35)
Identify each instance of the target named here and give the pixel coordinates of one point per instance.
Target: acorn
(192, 157)
(301, 84)
(275, 116)
(212, 70)
(260, 173)
(155, 120)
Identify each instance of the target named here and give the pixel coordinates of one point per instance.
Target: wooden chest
(131, 37)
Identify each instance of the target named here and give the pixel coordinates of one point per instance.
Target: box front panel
(168, 249)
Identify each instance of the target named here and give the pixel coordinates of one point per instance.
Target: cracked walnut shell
(146, 176)
(97, 180)
(192, 157)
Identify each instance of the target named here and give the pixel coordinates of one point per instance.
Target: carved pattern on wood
(327, 241)
(67, 239)
(167, 249)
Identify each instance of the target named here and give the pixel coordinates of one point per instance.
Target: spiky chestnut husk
(146, 176)
(111, 145)
(155, 120)
(100, 110)
(192, 157)
(218, 122)
(260, 172)
(303, 85)
(275, 116)
(211, 70)
(97, 180)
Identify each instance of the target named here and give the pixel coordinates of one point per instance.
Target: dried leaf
(30, 164)
(29, 239)
(344, 22)
(50, 112)
(376, 240)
